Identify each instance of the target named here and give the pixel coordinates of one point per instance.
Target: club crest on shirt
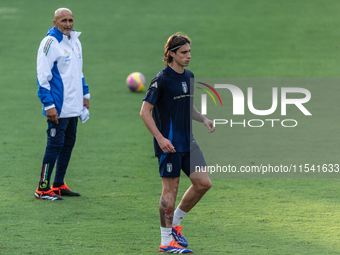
(53, 132)
(184, 87)
(169, 167)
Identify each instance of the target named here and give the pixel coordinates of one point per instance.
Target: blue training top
(171, 96)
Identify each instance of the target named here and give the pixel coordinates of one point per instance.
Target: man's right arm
(52, 115)
(45, 61)
(149, 122)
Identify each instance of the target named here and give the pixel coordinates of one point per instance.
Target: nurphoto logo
(295, 96)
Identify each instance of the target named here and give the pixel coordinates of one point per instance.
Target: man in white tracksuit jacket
(64, 94)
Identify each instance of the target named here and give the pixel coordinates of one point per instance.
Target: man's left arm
(87, 103)
(196, 115)
(86, 92)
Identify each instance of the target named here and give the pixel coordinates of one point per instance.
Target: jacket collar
(54, 31)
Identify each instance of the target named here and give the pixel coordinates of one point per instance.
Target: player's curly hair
(174, 42)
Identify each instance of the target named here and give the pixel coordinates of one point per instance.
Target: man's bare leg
(200, 185)
(168, 200)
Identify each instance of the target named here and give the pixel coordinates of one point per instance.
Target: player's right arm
(149, 122)
(45, 61)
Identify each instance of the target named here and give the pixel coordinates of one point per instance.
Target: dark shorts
(170, 164)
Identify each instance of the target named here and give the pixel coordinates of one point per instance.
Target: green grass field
(113, 166)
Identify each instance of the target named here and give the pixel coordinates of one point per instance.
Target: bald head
(63, 20)
(59, 12)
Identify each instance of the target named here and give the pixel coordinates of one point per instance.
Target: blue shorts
(170, 164)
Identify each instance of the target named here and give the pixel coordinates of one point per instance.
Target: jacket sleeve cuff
(49, 107)
(87, 96)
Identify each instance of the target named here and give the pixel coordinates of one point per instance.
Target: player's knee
(204, 185)
(170, 189)
(174, 188)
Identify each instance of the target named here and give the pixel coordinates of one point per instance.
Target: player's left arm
(86, 103)
(196, 115)
(86, 93)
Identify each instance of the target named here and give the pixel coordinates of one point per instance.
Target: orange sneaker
(47, 195)
(64, 191)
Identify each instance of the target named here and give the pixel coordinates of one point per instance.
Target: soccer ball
(136, 82)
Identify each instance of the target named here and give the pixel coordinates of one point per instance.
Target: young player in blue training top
(170, 99)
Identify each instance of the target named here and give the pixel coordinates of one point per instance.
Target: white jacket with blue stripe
(61, 83)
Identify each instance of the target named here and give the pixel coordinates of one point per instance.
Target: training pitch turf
(113, 166)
